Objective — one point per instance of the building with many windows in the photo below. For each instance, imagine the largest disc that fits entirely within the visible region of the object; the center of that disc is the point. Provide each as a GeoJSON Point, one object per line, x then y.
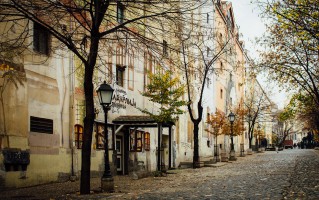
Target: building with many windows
{"type": "Point", "coordinates": [42, 138]}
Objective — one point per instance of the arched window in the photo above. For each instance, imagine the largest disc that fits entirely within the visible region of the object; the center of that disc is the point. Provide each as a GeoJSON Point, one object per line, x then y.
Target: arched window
{"type": "Point", "coordinates": [78, 134]}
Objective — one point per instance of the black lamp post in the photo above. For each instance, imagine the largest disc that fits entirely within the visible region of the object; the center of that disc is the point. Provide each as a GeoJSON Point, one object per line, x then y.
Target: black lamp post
{"type": "Point", "coordinates": [105, 94]}
{"type": "Point", "coordinates": [231, 118]}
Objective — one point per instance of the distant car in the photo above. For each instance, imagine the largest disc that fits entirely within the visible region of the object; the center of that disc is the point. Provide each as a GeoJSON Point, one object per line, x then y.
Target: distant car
{"type": "Point", "coordinates": [288, 144]}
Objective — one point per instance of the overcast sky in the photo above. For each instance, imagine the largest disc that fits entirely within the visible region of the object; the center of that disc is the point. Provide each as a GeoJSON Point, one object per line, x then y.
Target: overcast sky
{"type": "Point", "coordinates": [251, 26]}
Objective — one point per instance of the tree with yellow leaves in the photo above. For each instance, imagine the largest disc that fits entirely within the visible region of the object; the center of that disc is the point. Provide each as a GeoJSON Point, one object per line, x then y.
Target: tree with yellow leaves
{"type": "Point", "coordinates": [238, 124]}
{"type": "Point", "coordinates": [217, 122]}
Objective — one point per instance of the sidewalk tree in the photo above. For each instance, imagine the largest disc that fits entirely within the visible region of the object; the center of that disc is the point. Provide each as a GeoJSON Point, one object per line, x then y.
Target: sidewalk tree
{"type": "Point", "coordinates": [217, 122]}
{"type": "Point", "coordinates": [305, 110]}
{"type": "Point", "coordinates": [285, 120]}
{"type": "Point", "coordinates": [255, 104]}
{"type": "Point", "coordinates": [197, 75]}
{"type": "Point", "coordinates": [86, 27]}
{"type": "Point", "coordinates": [290, 54]}
{"type": "Point", "coordinates": [165, 90]}
{"type": "Point", "coordinates": [238, 124]}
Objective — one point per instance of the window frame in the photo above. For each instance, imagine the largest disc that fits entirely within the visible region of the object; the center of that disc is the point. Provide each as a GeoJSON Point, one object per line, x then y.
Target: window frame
{"type": "Point", "coordinates": [165, 48]}
{"type": "Point", "coordinates": [130, 73]}
{"type": "Point", "coordinates": [99, 135]}
{"type": "Point", "coordinates": [120, 10]}
{"type": "Point", "coordinates": [120, 75]}
{"type": "Point", "coordinates": [149, 67]}
{"type": "Point", "coordinates": [109, 68]}
{"type": "Point", "coordinates": [147, 141]}
{"type": "Point", "coordinates": [78, 136]}
{"type": "Point", "coordinates": [136, 140]}
{"type": "Point", "coordinates": [120, 65]}
{"type": "Point", "coordinates": [41, 39]}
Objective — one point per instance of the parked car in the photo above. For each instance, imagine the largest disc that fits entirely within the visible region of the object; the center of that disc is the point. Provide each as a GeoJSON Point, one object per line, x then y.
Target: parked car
{"type": "Point", "coordinates": [288, 144]}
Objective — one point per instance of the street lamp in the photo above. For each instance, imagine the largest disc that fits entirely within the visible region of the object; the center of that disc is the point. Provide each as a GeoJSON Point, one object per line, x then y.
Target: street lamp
{"type": "Point", "coordinates": [105, 94]}
{"type": "Point", "coordinates": [231, 118]}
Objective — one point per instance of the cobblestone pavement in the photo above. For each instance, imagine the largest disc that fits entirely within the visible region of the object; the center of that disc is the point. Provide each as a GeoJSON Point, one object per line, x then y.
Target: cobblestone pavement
{"type": "Point", "coordinates": [289, 174]}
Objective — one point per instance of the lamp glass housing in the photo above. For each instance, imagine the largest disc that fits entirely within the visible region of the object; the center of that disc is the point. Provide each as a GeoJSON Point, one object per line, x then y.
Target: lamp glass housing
{"type": "Point", "coordinates": [231, 117]}
{"type": "Point", "coordinates": [105, 94]}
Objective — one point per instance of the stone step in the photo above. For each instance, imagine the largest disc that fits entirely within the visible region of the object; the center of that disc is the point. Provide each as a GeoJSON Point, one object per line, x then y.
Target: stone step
{"type": "Point", "coordinates": [184, 165]}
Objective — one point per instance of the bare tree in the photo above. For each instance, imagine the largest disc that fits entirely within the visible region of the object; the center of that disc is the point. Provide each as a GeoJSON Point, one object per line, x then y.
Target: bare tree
{"type": "Point", "coordinates": [200, 55]}
{"type": "Point", "coordinates": [256, 103]}
{"type": "Point", "coordinates": [87, 27]}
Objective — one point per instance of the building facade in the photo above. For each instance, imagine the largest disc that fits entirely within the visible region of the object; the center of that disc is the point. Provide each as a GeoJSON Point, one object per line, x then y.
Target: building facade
{"type": "Point", "coordinates": [50, 105]}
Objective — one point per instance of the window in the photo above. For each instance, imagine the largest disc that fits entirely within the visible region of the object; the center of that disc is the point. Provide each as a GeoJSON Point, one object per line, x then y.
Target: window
{"type": "Point", "coordinates": [41, 39]}
{"type": "Point", "coordinates": [120, 13]}
{"type": "Point", "coordinates": [109, 71]}
{"type": "Point", "coordinates": [145, 70]}
{"type": "Point", "coordinates": [78, 135]}
{"type": "Point", "coordinates": [147, 144]}
{"type": "Point", "coordinates": [120, 56]}
{"type": "Point", "coordinates": [165, 52]}
{"type": "Point", "coordinates": [150, 66]}
{"type": "Point", "coordinates": [131, 71]}
{"type": "Point", "coordinates": [120, 76]}
{"type": "Point", "coordinates": [135, 140]}
{"type": "Point", "coordinates": [41, 125]}
{"type": "Point", "coordinates": [120, 65]}
{"type": "Point", "coordinates": [99, 136]}
{"type": "Point", "coordinates": [221, 93]}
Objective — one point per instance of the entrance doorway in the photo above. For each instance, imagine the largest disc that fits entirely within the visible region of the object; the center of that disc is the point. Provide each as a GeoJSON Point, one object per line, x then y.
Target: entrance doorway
{"type": "Point", "coordinates": [120, 154]}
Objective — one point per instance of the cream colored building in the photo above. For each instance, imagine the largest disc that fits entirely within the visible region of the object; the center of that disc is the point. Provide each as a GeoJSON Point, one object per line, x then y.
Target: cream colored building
{"type": "Point", "coordinates": [45, 116]}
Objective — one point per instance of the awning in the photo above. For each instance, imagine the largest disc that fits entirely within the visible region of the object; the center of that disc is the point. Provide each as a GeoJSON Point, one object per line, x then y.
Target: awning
{"type": "Point", "coordinates": [138, 121]}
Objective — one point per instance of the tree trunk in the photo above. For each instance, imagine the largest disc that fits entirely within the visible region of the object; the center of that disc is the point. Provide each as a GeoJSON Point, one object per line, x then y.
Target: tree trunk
{"type": "Point", "coordinates": [159, 144]}
{"type": "Point", "coordinates": [89, 117]}
{"type": "Point", "coordinates": [87, 140]}
{"type": "Point", "coordinates": [4, 119]}
{"type": "Point", "coordinates": [196, 152]}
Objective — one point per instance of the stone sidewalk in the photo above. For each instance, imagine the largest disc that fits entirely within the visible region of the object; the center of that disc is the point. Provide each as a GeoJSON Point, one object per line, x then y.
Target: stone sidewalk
{"type": "Point", "coordinates": [124, 186]}
{"type": "Point", "coordinates": [268, 175]}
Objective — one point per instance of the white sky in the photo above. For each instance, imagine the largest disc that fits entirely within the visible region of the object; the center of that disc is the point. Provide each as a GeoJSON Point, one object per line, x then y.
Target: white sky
{"type": "Point", "coordinates": [251, 26]}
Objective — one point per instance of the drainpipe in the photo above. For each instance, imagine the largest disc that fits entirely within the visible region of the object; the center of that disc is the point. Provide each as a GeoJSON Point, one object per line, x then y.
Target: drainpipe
{"type": "Point", "coordinates": [63, 101]}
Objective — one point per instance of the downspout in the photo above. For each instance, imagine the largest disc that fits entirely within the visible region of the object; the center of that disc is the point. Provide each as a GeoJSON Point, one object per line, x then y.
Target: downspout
{"type": "Point", "coordinates": [62, 103]}
{"type": "Point", "coordinates": [71, 117]}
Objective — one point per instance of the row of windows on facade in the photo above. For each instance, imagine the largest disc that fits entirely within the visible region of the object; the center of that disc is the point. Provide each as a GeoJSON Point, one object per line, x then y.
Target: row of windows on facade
{"type": "Point", "coordinates": [41, 37]}
{"type": "Point", "coordinates": [138, 139]}
{"type": "Point", "coordinates": [41, 41]}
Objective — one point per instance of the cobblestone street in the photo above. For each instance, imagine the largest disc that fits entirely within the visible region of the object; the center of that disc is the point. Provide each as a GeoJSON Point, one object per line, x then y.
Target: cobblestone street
{"type": "Point", "coordinates": [289, 174]}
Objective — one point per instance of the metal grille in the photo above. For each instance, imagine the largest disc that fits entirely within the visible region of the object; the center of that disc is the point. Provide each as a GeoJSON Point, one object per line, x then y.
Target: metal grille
{"type": "Point", "coordinates": [41, 125]}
